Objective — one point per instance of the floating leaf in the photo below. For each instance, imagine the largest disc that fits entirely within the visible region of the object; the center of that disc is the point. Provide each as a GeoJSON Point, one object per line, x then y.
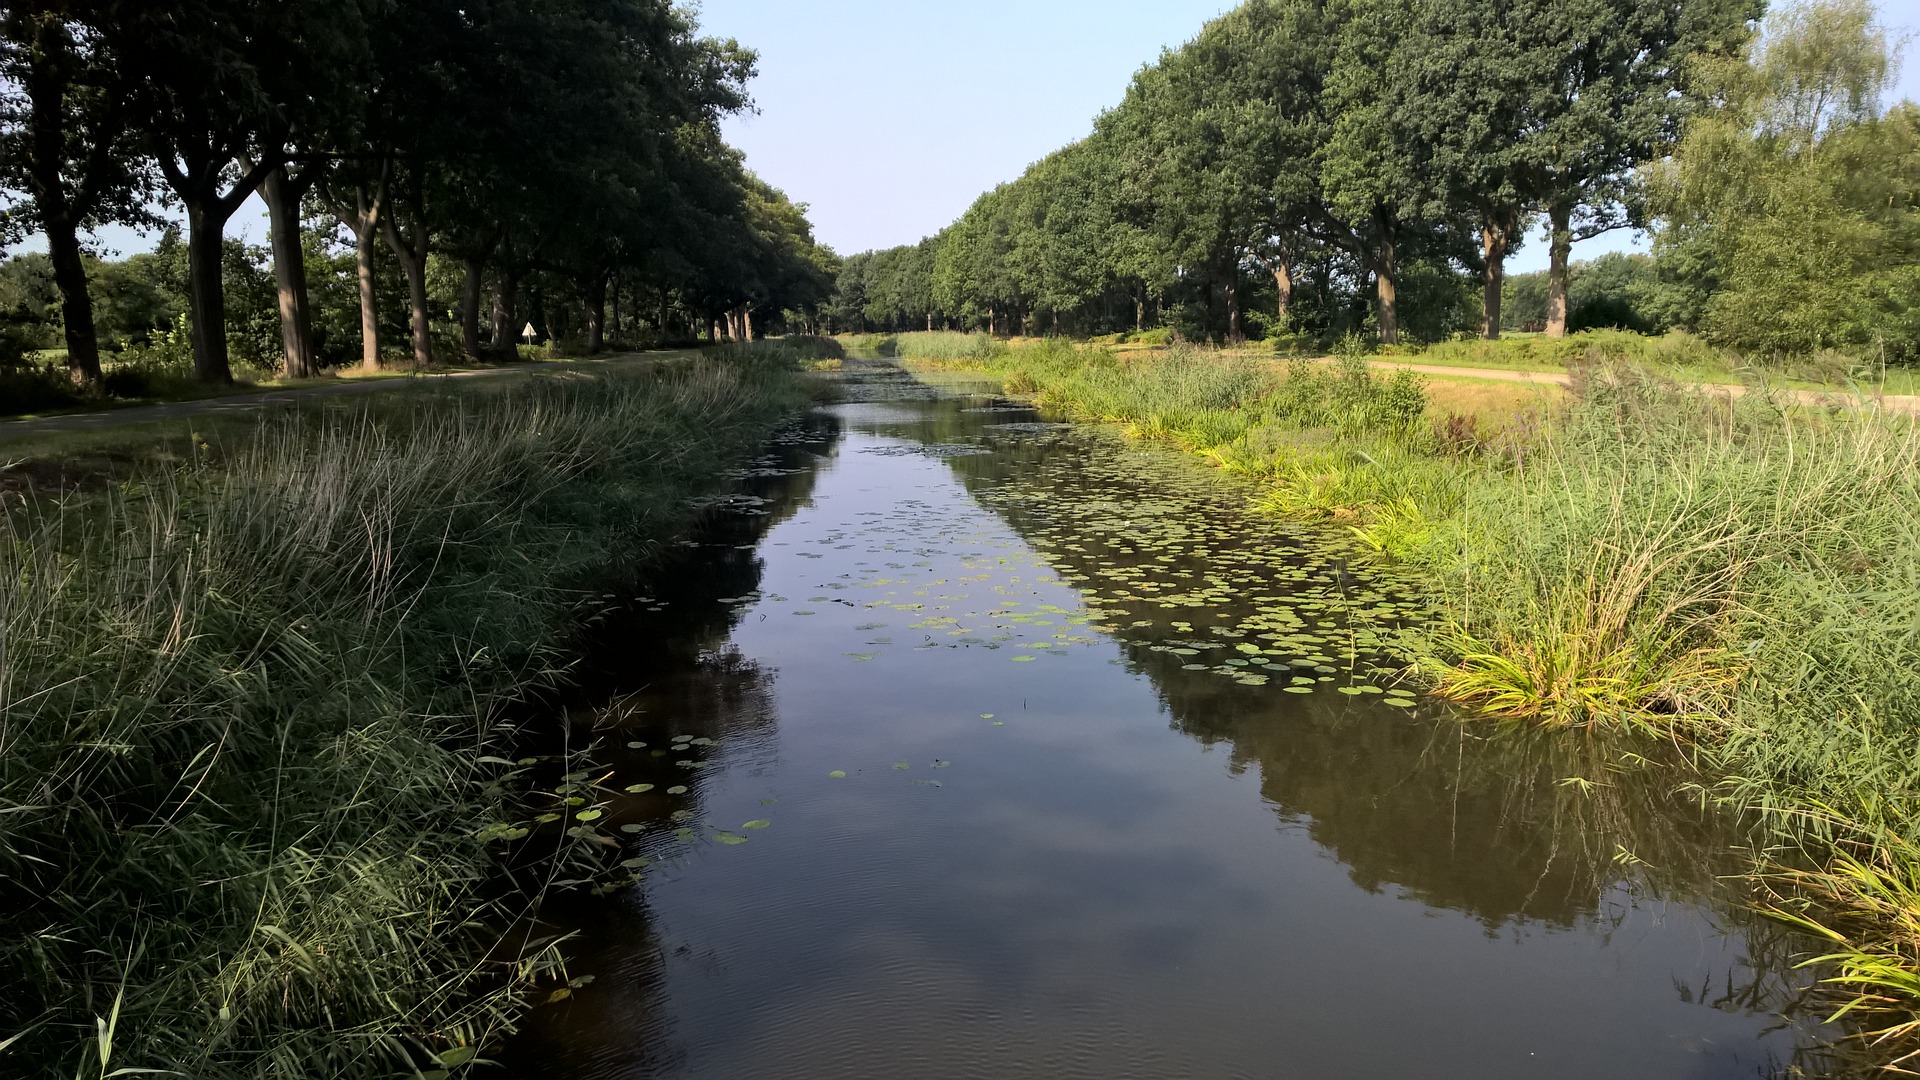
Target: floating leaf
{"type": "Point", "coordinates": [757, 825]}
{"type": "Point", "coordinates": [729, 838]}
{"type": "Point", "coordinates": [589, 815]}
{"type": "Point", "coordinates": [677, 789]}
{"type": "Point", "coordinates": [639, 789]}
{"type": "Point", "coordinates": [837, 774]}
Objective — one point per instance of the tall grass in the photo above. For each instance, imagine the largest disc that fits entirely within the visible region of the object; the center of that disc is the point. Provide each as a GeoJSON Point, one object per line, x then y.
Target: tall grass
{"type": "Point", "coordinates": [941, 346]}
{"type": "Point", "coordinates": [1731, 575]}
{"type": "Point", "coordinates": [251, 727]}
{"type": "Point", "coordinates": [1741, 578]}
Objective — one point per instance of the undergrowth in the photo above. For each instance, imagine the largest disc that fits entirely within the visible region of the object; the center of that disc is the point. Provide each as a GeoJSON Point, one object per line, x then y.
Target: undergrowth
{"type": "Point", "coordinates": [253, 749]}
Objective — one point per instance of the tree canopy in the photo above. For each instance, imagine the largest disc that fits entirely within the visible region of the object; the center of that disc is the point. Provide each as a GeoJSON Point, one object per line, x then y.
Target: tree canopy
{"type": "Point", "coordinates": [559, 157]}
{"type": "Point", "coordinates": [1335, 166]}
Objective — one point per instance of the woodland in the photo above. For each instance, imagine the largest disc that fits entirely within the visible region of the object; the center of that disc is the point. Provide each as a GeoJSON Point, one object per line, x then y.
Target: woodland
{"type": "Point", "coordinates": [1311, 169]}
{"type": "Point", "coordinates": [437, 174]}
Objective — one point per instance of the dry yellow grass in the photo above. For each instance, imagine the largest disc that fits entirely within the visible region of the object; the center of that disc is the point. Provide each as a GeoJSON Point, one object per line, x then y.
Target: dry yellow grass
{"type": "Point", "coordinates": [1490, 403]}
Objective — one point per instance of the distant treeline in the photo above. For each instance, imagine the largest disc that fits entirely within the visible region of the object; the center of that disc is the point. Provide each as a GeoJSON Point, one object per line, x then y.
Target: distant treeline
{"type": "Point", "coordinates": [485, 164]}
{"type": "Point", "coordinates": [1334, 166]}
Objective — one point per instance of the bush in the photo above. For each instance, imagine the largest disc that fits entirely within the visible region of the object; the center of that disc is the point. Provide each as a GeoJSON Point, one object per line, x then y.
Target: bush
{"type": "Point", "coordinates": [29, 388]}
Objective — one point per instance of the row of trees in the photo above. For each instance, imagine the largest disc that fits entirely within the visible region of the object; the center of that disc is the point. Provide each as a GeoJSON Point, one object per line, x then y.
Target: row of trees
{"type": "Point", "coordinates": [1352, 164]}
{"type": "Point", "coordinates": [513, 139]}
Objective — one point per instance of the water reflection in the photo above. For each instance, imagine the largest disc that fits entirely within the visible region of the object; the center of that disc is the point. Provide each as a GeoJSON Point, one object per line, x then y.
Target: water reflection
{"type": "Point", "coordinates": [1059, 775]}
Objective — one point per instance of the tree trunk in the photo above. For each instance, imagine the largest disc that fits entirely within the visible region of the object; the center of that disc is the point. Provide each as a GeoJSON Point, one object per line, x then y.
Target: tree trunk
{"type": "Point", "coordinates": [47, 92]}
{"type": "Point", "coordinates": [76, 300]}
{"type": "Point", "coordinates": [1385, 274]}
{"type": "Point", "coordinates": [1494, 237]}
{"type": "Point", "coordinates": [207, 295]}
{"type": "Point", "coordinates": [282, 196]}
{"type": "Point", "coordinates": [506, 336]}
{"type": "Point", "coordinates": [746, 323]}
{"type": "Point", "coordinates": [1560, 251]}
{"type": "Point", "coordinates": [470, 290]}
{"type": "Point", "coordinates": [363, 219]}
{"type": "Point", "coordinates": [596, 311]}
{"type": "Point", "coordinates": [1283, 281]}
{"type": "Point", "coordinates": [613, 313]}
{"type": "Point", "coordinates": [1139, 313]}
{"type": "Point", "coordinates": [417, 300]}
{"type": "Point", "coordinates": [413, 263]}
{"type": "Point", "coordinates": [1235, 335]}
{"type": "Point", "coordinates": [369, 299]}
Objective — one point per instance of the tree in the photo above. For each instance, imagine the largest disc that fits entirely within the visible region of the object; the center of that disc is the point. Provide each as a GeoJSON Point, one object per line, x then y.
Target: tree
{"type": "Point", "coordinates": [65, 140]}
{"type": "Point", "coordinates": [1614, 100]}
{"type": "Point", "coordinates": [1378, 192]}
{"type": "Point", "coordinates": [219, 86]}
{"type": "Point", "coordinates": [1797, 201]}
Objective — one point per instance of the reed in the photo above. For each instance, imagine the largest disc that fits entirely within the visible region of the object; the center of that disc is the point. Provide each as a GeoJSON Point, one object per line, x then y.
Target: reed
{"type": "Point", "coordinates": [252, 736]}
{"type": "Point", "coordinates": [1733, 576]}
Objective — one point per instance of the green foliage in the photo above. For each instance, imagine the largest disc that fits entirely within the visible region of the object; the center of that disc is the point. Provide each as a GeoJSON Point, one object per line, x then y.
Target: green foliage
{"type": "Point", "coordinates": [1676, 350]}
{"type": "Point", "coordinates": [946, 346]}
{"type": "Point", "coordinates": [1798, 202]}
{"type": "Point", "coordinates": [252, 711]}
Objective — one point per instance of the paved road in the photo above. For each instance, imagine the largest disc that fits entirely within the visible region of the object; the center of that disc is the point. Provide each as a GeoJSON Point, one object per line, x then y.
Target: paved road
{"type": "Point", "coordinates": [239, 403]}
{"type": "Point", "coordinates": [1909, 404]}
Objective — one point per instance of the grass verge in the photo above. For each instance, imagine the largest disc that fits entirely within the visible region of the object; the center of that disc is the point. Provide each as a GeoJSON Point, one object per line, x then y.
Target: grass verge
{"type": "Point", "coordinates": [255, 759]}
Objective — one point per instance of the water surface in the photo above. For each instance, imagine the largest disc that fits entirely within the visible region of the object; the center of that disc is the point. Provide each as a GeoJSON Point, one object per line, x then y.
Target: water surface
{"type": "Point", "coordinates": [982, 746]}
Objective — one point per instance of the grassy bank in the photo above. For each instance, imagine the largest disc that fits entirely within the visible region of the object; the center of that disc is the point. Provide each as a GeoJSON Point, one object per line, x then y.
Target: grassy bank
{"type": "Point", "coordinates": [1734, 576]}
{"type": "Point", "coordinates": [253, 744]}
{"type": "Point", "coordinates": [1677, 356]}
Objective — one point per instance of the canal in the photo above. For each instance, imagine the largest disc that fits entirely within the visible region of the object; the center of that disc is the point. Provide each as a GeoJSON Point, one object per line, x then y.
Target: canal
{"type": "Point", "coordinates": [961, 743]}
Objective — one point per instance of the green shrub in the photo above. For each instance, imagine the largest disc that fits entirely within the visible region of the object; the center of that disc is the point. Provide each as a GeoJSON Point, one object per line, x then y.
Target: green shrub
{"type": "Point", "coordinates": [36, 388]}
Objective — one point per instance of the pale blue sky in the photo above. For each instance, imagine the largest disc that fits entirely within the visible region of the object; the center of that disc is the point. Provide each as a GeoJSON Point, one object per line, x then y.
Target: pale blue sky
{"type": "Point", "coordinates": [889, 117]}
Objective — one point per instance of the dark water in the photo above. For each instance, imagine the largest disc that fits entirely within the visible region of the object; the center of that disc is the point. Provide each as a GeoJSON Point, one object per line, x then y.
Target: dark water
{"type": "Point", "coordinates": [1124, 795]}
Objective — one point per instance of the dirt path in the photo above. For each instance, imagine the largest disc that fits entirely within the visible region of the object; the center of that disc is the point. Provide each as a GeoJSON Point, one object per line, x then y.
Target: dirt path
{"type": "Point", "coordinates": [239, 403]}
{"type": "Point", "coordinates": [1907, 404]}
